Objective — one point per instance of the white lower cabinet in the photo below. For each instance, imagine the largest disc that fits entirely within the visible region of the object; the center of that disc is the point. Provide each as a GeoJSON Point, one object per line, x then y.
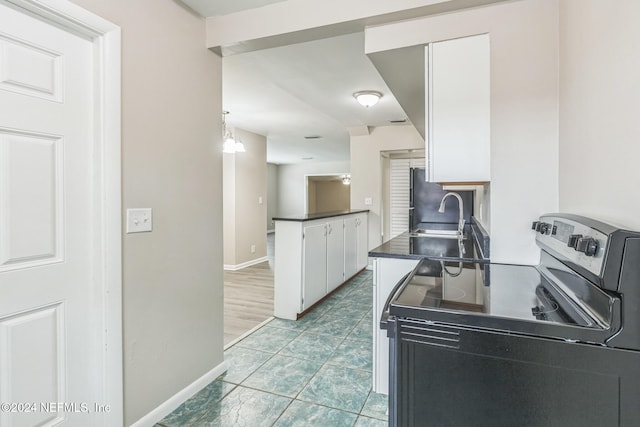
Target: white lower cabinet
{"type": "Point", "coordinates": [356, 243]}
{"type": "Point", "coordinates": [314, 257]}
{"type": "Point", "coordinates": [350, 247]}
{"type": "Point", "coordinates": [362, 241]}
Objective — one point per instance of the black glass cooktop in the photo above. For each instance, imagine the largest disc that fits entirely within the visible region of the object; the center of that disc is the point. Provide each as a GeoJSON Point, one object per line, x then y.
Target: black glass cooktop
{"type": "Point", "coordinates": [495, 296]}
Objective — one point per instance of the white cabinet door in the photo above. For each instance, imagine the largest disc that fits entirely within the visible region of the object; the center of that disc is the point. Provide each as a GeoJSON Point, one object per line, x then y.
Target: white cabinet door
{"type": "Point", "coordinates": [458, 109]}
{"type": "Point", "coordinates": [362, 241]}
{"type": "Point", "coordinates": [335, 254]}
{"type": "Point", "coordinates": [314, 284]}
{"type": "Point", "coordinates": [350, 247]}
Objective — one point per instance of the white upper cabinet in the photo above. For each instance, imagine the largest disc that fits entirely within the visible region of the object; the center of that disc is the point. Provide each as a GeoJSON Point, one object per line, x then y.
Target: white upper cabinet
{"type": "Point", "coordinates": [458, 110]}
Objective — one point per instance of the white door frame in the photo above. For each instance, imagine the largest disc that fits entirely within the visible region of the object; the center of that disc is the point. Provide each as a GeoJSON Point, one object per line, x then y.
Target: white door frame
{"type": "Point", "coordinates": [106, 188]}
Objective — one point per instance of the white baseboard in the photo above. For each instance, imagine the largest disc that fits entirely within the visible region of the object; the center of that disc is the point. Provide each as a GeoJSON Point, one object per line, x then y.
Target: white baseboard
{"type": "Point", "coordinates": [245, 264]}
{"type": "Point", "coordinates": [179, 398]}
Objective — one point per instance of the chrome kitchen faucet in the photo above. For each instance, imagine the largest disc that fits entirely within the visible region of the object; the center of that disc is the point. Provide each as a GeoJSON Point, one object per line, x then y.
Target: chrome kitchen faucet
{"type": "Point", "coordinates": [460, 207]}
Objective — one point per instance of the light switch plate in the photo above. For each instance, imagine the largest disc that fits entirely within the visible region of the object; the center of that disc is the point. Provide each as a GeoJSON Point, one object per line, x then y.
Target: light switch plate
{"type": "Point", "coordinates": [139, 220]}
{"type": "Point", "coordinates": [368, 201]}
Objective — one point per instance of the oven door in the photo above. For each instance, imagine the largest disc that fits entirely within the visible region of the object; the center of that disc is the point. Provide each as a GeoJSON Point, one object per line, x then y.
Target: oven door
{"type": "Point", "coordinates": [456, 376]}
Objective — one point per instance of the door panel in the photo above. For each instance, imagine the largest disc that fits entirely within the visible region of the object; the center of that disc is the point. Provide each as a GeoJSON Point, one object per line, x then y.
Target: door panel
{"type": "Point", "coordinates": [30, 69]}
{"type": "Point", "coordinates": [30, 205]}
{"type": "Point", "coordinates": [39, 334]}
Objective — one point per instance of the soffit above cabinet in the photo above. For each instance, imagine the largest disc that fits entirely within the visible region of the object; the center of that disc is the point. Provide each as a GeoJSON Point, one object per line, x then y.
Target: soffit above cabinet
{"type": "Point", "coordinates": [397, 50]}
{"type": "Point", "coordinates": [403, 71]}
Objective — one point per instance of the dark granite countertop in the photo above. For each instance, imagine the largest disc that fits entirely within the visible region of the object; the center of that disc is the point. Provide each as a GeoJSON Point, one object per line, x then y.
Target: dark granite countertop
{"type": "Point", "coordinates": [408, 246]}
{"type": "Point", "coordinates": [321, 215]}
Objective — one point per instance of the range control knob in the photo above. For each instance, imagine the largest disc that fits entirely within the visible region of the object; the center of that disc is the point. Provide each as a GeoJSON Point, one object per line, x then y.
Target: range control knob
{"type": "Point", "coordinates": [544, 228]}
{"type": "Point", "coordinates": [588, 245]}
{"type": "Point", "coordinates": [573, 240]}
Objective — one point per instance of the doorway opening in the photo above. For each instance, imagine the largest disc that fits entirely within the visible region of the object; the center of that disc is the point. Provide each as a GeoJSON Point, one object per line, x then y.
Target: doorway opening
{"type": "Point", "coordinates": [396, 167]}
{"type": "Point", "coordinates": [327, 193]}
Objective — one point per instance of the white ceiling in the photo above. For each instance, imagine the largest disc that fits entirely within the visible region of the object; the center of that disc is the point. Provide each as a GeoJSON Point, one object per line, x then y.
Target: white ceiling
{"type": "Point", "coordinates": [305, 89]}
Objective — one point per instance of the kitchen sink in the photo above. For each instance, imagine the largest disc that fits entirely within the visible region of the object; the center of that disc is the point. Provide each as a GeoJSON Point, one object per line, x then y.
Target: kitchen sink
{"type": "Point", "coordinates": [441, 234]}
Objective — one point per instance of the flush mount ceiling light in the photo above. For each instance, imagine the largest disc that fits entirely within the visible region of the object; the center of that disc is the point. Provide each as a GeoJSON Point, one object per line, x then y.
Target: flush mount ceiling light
{"type": "Point", "coordinates": [230, 145]}
{"type": "Point", "coordinates": [367, 98]}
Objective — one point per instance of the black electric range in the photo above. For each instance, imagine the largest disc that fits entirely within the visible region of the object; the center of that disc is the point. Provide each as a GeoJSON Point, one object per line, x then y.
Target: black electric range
{"type": "Point", "coordinates": [501, 345]}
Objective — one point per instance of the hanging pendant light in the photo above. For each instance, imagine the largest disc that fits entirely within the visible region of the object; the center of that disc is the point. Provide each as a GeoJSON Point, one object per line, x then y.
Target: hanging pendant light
{"type": "Point", "coordinates": [230, 144]}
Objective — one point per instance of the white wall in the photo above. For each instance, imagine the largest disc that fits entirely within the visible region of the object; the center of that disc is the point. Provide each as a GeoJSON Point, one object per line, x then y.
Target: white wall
{"type": "Point", "coordinates": [245, 184]}
{"type": "Point", "coordinates": [366, 170]}
{"type": "Point", "coordinates": [524, 109]}
{"type": "Point", "coordinates": [273, 171]}
{"type": "Point", "coordinates": [171, 162]}
{"type": "Point", "coordinates": [292, 184]}
{"type": "Point", "coordinates": [600, 110]}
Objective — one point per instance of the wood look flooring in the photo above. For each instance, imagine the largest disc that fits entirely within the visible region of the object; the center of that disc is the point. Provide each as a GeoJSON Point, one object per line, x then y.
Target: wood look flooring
{"type": "Point", "coordinates": [248, 296]}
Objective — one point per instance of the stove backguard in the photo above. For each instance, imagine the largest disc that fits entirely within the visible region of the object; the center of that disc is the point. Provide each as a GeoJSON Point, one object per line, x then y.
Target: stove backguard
{"type": "Point", "coordinates": [606, 256]}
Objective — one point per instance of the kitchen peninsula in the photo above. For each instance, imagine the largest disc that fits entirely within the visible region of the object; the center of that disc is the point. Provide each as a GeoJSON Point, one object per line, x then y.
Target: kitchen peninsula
{"type": "Point", "coordinates": [314, 255]}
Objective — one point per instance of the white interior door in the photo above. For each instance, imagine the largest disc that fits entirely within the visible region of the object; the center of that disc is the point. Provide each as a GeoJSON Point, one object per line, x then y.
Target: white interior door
{"type": "Point", "coordinates": [50, 320]}
{"type": "Point", "coordinates": [399, 193]}
{"type": "Point", "coordinates": [399, 177]}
